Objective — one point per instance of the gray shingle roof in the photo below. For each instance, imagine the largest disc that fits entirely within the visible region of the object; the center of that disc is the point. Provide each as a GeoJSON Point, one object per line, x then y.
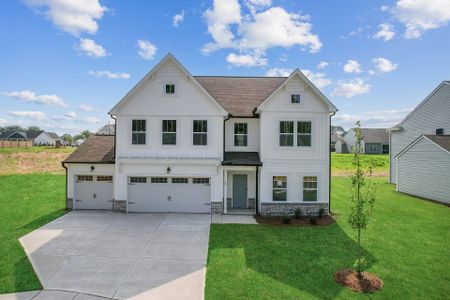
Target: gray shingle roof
{"type": "Point", "coordinates": [53, 135]}
{"type": "Point", "coordinates": [441, 140]}
{"type": "Point", "coordinates": [375, 135]}
{"type": "Point", "coordinates": [240, 95]}
{"type": "Point", "coordinates": [95, 149]}
{"type": "Point", "coordinates": [242, 159]}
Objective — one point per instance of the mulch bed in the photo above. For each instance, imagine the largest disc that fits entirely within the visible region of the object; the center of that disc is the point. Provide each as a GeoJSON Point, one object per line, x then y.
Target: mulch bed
{"type": "Point", "coordinates": [303, 221]}
{"type": "Point", "coordinates": [369, 282]}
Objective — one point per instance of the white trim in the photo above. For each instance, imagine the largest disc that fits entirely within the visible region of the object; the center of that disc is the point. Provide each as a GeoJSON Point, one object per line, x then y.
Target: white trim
{"type": "Point", "coordinates": [149, 76]}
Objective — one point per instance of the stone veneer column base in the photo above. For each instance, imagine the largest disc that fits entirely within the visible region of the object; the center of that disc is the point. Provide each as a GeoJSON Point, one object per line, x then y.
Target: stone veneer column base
{"type": "Point", "coordinates": [216, 207]}
{"type": "Point", "coordinates": [120, 205]}
{"type": "Point", "coordinates": [283, 209]}
{"type": "Point", "coordinates": [69, 204]}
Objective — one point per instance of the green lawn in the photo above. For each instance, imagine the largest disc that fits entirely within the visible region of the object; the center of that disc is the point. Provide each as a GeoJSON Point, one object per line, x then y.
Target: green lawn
{"type": "Point", "coordinates": [406, 245]}
{"type": "Point", "coordinates": [26, 202]}
{"type": "Point", "coordinates": [37, 149]}
{"type": "Point", "coordinates": [342, 163]}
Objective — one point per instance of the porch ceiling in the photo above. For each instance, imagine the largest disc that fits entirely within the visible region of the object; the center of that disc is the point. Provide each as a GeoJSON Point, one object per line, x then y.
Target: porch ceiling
{"type": "Point", "coordinates": [241, 159]}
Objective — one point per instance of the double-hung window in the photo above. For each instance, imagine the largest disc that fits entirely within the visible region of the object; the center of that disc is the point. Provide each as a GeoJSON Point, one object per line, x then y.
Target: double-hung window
{"type": "Point", "coordinates": [279, 188]}
{"type": "Point", "coordinates": [138, 130]}
{"type": "Point", "coordinates": [303, 134]}
{"type": "Point", "coordinates": [286, 133]}
{"type": "Point", "coordinates": [170, 88]}
{"type": "Point", "coordinates": [200, 132]}
{"type": "Point", "coordinates": [169, 132]}
{"type": "Point", "coordinates": [310, 188]}
{"type": "Point", "coordinates": [240, 134]}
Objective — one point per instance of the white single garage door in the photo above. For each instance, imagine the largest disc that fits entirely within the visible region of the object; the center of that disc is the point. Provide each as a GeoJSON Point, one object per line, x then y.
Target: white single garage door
{"type": "Point", "coordinates": [94, 192]}
{"type": "Point", "coordinates": [169, 194]}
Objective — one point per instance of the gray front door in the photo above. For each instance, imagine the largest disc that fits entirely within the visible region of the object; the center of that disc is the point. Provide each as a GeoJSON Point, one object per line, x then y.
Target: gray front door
{"type": "Point", "coordinates": [239, 191]}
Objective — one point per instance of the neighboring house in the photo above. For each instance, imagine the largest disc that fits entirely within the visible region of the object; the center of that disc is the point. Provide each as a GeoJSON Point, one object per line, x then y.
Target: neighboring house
{"type": "Point", "coordinates": [206, 144]}
{"type": "Point", "coordinates": [374, 141]}
{"type": "Point", "coordinates": [38, 137]}
{"type": "Point", "coordinates": [423, 168]}
{"type": "Point", "coordinates": [430, 117]}
{"type": "Point", "coordinates": [334, 139]}
{"type": "Point", "coordinates": [78, 142]}
{"type": "Point", "coordinates": [108, 129]}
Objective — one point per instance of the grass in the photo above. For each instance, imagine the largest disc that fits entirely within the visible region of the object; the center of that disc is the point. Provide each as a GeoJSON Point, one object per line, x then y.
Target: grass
{"type": "Point", "coordinates": [32, 160]}
{"type": "Point", "coordinates": [27, 202]}
{"type": "Point", "coordinates": [341, 164]}
{"type": "Point", "coordinates": [406, 244]}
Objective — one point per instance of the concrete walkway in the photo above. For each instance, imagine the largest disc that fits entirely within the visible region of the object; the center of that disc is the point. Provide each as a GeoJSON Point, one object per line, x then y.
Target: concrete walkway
{"type": "Point", "coordinates": [120, 256]}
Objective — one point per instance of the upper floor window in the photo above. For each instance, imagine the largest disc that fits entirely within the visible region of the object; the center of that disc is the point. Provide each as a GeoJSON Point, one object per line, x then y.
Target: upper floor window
{"type": "Point", "coordinates": [170, 88]}
{"type": "Point", "coordinates": [240, 134]}
{"type": "Point", "coordinates": [286, 133]}
{"type": "Point", "coordinates": [310, 188]}
{"type": "Point", "coordinates": [200, 132]}
{"type": "Point", "coordinates": [138, 129]}
{"type": "Point", "coordinates": [295, 98]}
{"type": "Point", "coordinates": [304, 134]}
{"type": "Point", "coordinates": [169, 132]}
{"type": "Point", "coordinates": [279, 188]}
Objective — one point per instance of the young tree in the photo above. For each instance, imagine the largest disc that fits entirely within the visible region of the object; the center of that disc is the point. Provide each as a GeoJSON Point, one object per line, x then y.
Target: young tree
{"type": "Point", "coordinates": [362, 199]}
{"type": "Point", "coordinates": [68, 138]}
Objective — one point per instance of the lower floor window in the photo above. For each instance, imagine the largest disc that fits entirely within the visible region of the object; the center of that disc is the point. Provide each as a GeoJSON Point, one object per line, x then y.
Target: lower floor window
{"type": "Point", "coordinates": [279, 191]}
{"type": "Point", "coordinates": [85, 178]}
{"type": "Point", "coordinates": [310, 188]}
{"type": "Point", "coordinates": [105, 178]}
{"type": "Point", "coordinates": [138, 179]}
{"type": "Point", "coordinates": [200, 180]}
{"type": "Point", "coordinates": [159, 180]}
{"type": "Point", "coordinates": [179, 180]}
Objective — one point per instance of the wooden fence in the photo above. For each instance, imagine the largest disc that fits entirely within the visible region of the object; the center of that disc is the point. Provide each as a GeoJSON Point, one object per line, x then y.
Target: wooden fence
{"type": "Point", "coordinates": [16, 144]}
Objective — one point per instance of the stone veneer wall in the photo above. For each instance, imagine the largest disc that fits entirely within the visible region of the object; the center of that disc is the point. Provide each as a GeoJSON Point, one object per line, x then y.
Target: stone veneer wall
{"type": "Point", "coordinates": [120, 205]}
{"type": "Point", "coordinates": [282, 209]}
{"type": "Point", "coordinates": [69, 204]}
{"type": "Point", "coordinates": [216, 207]}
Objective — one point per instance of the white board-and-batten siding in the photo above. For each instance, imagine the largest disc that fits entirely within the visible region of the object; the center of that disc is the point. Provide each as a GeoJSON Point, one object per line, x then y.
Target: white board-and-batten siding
{"type": "Point", "coordinates": [432, 114]}
{"type": "Point", "coordinates": [252, 135]}
{"type": "Point", "coordinates": [423, 170]}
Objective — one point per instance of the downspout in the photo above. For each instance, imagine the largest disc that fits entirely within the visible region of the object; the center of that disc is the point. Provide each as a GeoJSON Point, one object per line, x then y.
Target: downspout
{"type": "Point", "coordinates": [257, 193]}
{"type": "Point", "coordinates": [115, 133]}
{"type": "Point", "coordinates": [224, 201]}
{"type": "Point", "coordinates": [64, 166]}
{"type": "Point", "coordinates": [329, 167]}
{"type": "Point", "coordinates": [226, 119]}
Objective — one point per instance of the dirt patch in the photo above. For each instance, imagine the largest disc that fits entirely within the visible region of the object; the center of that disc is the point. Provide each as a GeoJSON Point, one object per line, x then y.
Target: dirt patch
{"type": "Point", "coordinates": [34, 162]}
{"type": "Point", "coordinates": [304, 221]}
{"type": "Point", "coordinates": [368, 283]}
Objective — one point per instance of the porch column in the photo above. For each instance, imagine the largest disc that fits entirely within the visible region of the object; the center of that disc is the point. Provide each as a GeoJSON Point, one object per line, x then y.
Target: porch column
{"type": "Point", "coordinates": [225, 190]}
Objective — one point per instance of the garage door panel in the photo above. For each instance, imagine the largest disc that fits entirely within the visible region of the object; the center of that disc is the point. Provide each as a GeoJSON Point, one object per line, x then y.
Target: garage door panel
{"type": "Point", "coordinates": [93, 194]}
{"type": "Point", "coordinates": [169, 197]}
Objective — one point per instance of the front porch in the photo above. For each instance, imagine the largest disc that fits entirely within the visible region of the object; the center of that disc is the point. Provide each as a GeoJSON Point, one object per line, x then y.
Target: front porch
{"type": "Point", "coordinates": [240, 183]}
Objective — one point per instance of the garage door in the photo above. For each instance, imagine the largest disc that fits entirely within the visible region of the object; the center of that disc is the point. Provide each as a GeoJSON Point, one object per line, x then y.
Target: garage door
{"type": "Point", "coordinates": [169, 194]}
{"type": "Point", "coordinates": [93, 192]}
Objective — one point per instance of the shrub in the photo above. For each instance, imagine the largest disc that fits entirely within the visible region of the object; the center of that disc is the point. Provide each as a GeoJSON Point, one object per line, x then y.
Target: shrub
{"type": "Point", "coordinates": [360, 265]}
{"type": "Point", "coordinates": [313, 220]}
{"type": "Point", "coordinates": [298, 213]}
{"type": "Point", "coordinates": [286, 220]}
{"type": "Point", "coordinates": [321, 212]}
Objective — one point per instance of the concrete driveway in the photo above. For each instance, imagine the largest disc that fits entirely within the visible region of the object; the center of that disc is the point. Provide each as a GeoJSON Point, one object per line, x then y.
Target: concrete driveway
{"type": "Point", "coordinates": [122, 256]}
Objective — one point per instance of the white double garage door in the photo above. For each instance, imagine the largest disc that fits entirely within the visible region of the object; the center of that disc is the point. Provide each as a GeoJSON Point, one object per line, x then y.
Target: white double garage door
{"type": "Point", "coordinates": [146, 194]}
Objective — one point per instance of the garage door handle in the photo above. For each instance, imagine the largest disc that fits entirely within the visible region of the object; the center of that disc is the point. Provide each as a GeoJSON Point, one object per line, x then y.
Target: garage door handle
{"type": "Point", "coordinates": [131, 202]}
{"type": "Point", "coordinates": [77, 200]}
{"type": "Point", "coordinates": [207, 204]}
{"type": "Point", "coordinates": [110, 200]}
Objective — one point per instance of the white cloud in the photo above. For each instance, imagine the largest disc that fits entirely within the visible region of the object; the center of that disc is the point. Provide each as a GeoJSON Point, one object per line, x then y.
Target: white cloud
{"type": "Point", "coordinates": [322, 65]}
{"type": "Point", "coordinates": [279, 72]}
{"type": "Point", "coordinates": [146, 49]}
{"type": "Point", "coordinates": [86, 108]}
{"type": "Point", "coordinates": [109, 75]}
{"type": "Point", "coordinates": [384, 65]}
{"type": "Point", "coordinates": [3, 122]}
{"type": "Point", "coordinates": [31, 97]}
{"type": "Point", "coordinates": [283, 57]}
{"type": "Point", "coordinates": [35, 115]}
{"type": "Point", "coordinates": [352, 66]}
{"type": "Point", "coordinates": [386, 32]}
{"type": "Point", "coordinates": [262, 28]}
{"type": "Point", "coordinates": [91, 120]}
{"type": "Point", "coordinates": [246, 60]}
{"type": "Point", "coordinates": [373, 119]}
{"type": "Point", "coordinates": [419, 16]}
{"type": "Point", "coordinates": [352, 33]}
{"type": "Point", "coordinates": [90, 48]}
{"type": "Point", "coordinates": [74, 17]}
{"type": "Point", "coordinates": [351, 88]}
{"type": "Point", "coordinates": [72, 116]}
{"type": "Point", "coordinates": [319, 79]}
{"type": "Point", "coordinates": [178, 18]}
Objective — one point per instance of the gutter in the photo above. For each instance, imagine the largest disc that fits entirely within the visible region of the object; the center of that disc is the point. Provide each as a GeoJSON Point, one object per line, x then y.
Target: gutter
{"type": "Point", "coordinates": [64, 166]}
{"type": "Point", "coordinates": [226, 119]}
{"type": "Point", "coordinates": [329, 167]}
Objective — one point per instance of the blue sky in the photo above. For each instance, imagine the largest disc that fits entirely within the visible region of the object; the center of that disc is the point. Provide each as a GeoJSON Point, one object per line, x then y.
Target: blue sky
{"type": "Point", "coordinates": [66, 63]}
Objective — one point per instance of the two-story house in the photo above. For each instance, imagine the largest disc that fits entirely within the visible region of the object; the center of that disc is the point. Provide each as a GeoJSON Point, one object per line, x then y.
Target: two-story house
{"type": "Point", "coordinates": [202, 144]}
